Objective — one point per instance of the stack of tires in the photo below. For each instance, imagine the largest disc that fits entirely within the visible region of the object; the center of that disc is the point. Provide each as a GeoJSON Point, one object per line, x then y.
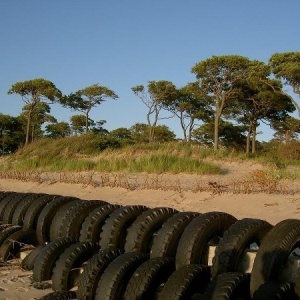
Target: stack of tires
{"type": "Point", "coordinates": [96, 250]}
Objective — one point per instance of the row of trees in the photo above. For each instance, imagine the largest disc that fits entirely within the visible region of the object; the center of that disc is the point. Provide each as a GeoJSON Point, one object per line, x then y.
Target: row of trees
{"type": "Point", "coordinates": [229, 98]}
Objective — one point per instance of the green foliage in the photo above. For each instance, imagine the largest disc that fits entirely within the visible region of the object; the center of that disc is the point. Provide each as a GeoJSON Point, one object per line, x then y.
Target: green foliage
{"type": "Point", "coordinates": [33, 93]}
{"type": "Point", "coordinates": [58, 130]}
{"type": "Point", "coordinates": [85, 99]}
{"type": "Point", "coordinates": [11, 133]}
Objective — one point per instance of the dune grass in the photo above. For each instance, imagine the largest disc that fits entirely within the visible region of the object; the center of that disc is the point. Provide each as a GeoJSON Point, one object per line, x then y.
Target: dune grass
{"type": "Point", "coordinates": [81, 153]}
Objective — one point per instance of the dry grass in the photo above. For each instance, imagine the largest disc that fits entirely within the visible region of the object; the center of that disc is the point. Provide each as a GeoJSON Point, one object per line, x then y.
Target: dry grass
{"type": "Point", "coordinates": [259, 181]}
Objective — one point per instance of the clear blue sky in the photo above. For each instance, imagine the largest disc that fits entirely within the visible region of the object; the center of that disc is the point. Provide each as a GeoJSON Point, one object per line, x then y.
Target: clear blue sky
{"type": "Point", "coordinates": [120, 44]}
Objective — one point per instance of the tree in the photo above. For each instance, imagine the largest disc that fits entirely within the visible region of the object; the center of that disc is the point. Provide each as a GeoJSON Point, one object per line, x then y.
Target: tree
{"type": "Point", "coordinates": [33, 92]}
{"type": "Point", "coordinates": [259, 98]}
{"type": "Point", "coordinates": [97, 127]}
{"type": "Point", "coordinates": [157, 94]}
{"type": "Point", "coordinates": [58, 130]}
{"type": "Point", "coordinates": [230, 135]}
{"type": "Point", "coordinates": [190, 105]}
{"type": "Point", "coordinates": [217, 78]}
{"type": "Point", "coordinates": [85, 99]}
{"type": "Point", "coordinates": [140, 133]}
{"type": "Point", "coordinates": [286, 67]}
{"type": "Point", "coordinates": [40, 114]}
{"type": "Point", "coordinates": [122, 135]}
{"type": "Point", "coordinates": [78, 123]}
{"type": "Point", "coordinates": [11, 133]}
{"type": "Point", "coordinates": [287, 130]}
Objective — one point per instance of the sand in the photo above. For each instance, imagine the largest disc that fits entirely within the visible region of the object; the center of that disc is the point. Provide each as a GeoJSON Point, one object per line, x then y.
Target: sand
{"type": "Point", "coordinates": [226, 193]}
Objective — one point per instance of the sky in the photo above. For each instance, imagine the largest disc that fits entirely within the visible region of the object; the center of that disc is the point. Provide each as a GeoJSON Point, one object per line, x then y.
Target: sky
{"type": "Point", "coordinates": [121, 44]}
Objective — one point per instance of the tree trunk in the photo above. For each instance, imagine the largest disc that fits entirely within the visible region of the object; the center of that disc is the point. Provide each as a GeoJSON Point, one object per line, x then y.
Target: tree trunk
{"type": "Point", "coordinates": [216, 131]}
{"type": "Point", "coordinates": [28, 127]}
{"type": "Point", "coordinates": [248, 142]}
{"type": "Point", "coordinates": [183, 127]}
{"type": "Point", "coordinates": [254, 139]}
{"type": "Point", "coordinates": [86, 122]}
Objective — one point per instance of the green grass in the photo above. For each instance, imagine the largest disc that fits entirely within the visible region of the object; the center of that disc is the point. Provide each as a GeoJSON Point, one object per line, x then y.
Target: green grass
{"type": "Point", "coordinates": [81, 153]}
{"type": "Point", "coordinates": [157, 164]}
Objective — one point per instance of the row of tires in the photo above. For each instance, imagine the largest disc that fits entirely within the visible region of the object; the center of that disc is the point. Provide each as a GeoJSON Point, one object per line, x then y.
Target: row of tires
{"type": "Point", "coordinates": [96, 250]}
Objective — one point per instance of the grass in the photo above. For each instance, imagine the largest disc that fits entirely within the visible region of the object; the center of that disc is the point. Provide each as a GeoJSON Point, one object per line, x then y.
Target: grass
{"type": "Point", "coordinates": [77, 154]}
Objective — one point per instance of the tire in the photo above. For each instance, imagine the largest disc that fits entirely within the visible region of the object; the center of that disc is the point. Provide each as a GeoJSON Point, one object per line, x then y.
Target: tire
{"type": "Point", "coordinates": [72, 222]}
{"type": "Point", "coordinates": [11, 207]}
{"type": "Point", "coordinates": [115, 278]}
{"type": "Point", "coordinates": [5, 202]}
{"type": "Point", "coordinates": [60, 296]}
{"type": "Point", "coordinates": [46, 216]}
{"type": "Point", "coordinates": [235, 241]}
{"type": "Point", "coordinates": [57, 221]}
{"type": "Point", "coordinates": [45, 261]}
{"type": "Point", "coordinates": [6, 232]}
{"type": "Point", "coordinates": [93, 223]}
{"type": "Point", "coordinates": [185, 282]}
{"type": "Point", "coordinates": [166, 241]}
{"type": "Point", "coordinates": [93, 270]}
{"type": "Point", "coordinates": [273, 253]}
{"type": "Point", "coordinates": [33, 212]}
{"type": "Point", "coordinates": [193, 246]}
{"type": "Point", "coordinates": [29, 260]}
{"type": "Point", "coordinates": [140, 234]}
{"type": "Point", "coordinates": [73, 257]}
{"type": "Point", "coordinates": [17, 215]}
{"type": "Point", "coordinates": [11, 246]}
{"type": "Point", "coordinates": [276, 291]}
{"type": "Point", "coordinates": [146, 281]}
{"type": "Point", "coordinates": [229, 286]}
{"type": "Point", "coordinates": [3, 195]}
{"type": "Point", "coordinates": [113, 235]}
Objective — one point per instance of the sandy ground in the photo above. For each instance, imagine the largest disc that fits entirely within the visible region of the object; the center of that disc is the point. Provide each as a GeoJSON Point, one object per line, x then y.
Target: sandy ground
{"type": "Point", "coordinates": [213, 193]}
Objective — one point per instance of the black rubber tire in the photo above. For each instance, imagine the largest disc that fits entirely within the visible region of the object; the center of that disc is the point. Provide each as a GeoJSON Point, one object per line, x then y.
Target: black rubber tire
{"type": "Point", "coordinates": [10, 198]}
{"type": "Point", "coordinates": [276, 291]}
{"type": "Point", "coordinates": [6, 232]}
{"type": "Point", "coordinates": [166, 241]}
{"type": "Point", "coordinates": [34, 210]}
{"type": "Point", "coordinates": [273, 253]}
{"type": "Point", "coordinates": [92, 271]}
{"type": "Point", "coordinates": [140, 234]}
{"type": "Point", "coordinates": [63, 279]}
{"type": "Point", "coordinates": [4, 201]}
{"type": "Point", "coordinates": [235, 241]}
{"type": "Point", "coordinates": [45, 262]}
{"type": "Point", "coordinates": [60, 296]}
{"type": "Point", "coordinates": [72, 221]}
{"type": "Point", "coordinates": [113, 235]}
{"type": "Point", "coordinates": [61, 213]}
{"type": "Point", "coordinates": [93, 223]}
{"type": "Point", "coordinates": [45, 218]}
{"type": "Point", "coordinates": [229, 286]}
{"type": "Point", "coordinates": [193, 246]}
{"type": "Point", "coordinates": [29, 260]}
{"type": "Point", "coordinates": [4, 194]}
{"type": "Point", "coordinates": [185, 282]}
{"type": "Point", "coordinates": [146, 281]}
{"type": "Point", "coordinates": [20, 210]}
{"type": "Point", "coordinates": [10, 208]}
{"type": "Point", "coordinates": [113, 282]}
{"type": "Point", "coordinates": [11, 246]}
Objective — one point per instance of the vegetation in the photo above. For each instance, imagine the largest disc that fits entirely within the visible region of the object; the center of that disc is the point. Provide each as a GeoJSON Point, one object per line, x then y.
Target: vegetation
{"type": "Point", "coordinates": [229, 99]}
